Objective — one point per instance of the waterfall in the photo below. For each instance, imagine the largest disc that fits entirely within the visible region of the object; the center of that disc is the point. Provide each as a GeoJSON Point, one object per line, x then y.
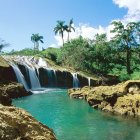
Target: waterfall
{"type": "Point", "coordinates": [32, 69]}
{"type": "Point", "coordinates": [19, 76]}
{"type": "Point", "coordinates": [75, 80]}
{"type": "Point", "coordinates": [33, 78]}
{"type": "Point", "coordinates": [89, 81]}
{"type": "Point", "coordinates": [55, 78]}
{"type": "Point", "coordinates": [52, 82]}
{"type": "Point", "coordinates": [42, 63]}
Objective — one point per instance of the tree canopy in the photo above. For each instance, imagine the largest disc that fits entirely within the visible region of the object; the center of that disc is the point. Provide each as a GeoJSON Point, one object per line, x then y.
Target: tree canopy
{"type": "Point", "coordinates": [127, 37]}
{"type": "Point", "coordinates": [60, 28]}
{"type": "Point", "coordinates": [36, 38]}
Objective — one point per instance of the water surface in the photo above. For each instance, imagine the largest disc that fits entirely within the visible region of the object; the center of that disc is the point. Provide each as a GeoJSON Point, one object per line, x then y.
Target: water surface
{"type": "Point", "coordinates": [75, 120]}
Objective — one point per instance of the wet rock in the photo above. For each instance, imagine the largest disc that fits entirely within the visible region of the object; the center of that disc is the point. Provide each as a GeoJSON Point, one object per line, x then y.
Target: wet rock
{"type": "Point", "coordinates": [5, 99]}
{"type": "Point", "coordinates": [17, 124]}
{"type": "Point", "coordinates": [123, 98]}
{"type": "Point", "coordinates": [10, 91]}
{"type": "Point", "coordinates": [6, 72]}
{"type": "Point", "coordinates": [128, 105]}
{"type": "Point", "coordinates": [79, 92]}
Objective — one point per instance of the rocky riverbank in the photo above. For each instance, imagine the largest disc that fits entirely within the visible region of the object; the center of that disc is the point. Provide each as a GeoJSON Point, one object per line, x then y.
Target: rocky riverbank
{"type": "Point", "coordinates": [123, 98]}
{"type": "Point", "coordinates": [9, 91]}
{"type": "Point", "coordinates": [15, 123]}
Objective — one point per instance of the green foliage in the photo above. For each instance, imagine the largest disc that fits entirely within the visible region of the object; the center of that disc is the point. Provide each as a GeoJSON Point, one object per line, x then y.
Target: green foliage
{"type": "Point", "coordinates": [26, 52]}
{"type": "Point", "coordinates": [124, 77]}
{"type": "Point", "coordinates": [127, 38]}
{"type": "Point", "coordinates": [119, 56]}
{"type": "Point", "coordinates": [51, 53]}
{"type": "Point", "coordinates": [73, 53]}
{"type": "Point", "coordinates": [121, 72]}
{"type": "Point", "coordinates": [135, 75]}
{"type": "Point", "coordinates": [98, 58]}
{"type": "Point", "coordinates": [36, 38]}
{"type": "Point", "coordinates": [60, 28]}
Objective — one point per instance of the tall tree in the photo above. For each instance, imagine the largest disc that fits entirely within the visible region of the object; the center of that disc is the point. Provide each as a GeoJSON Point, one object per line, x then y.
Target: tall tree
{"type": "Point", "coordinates": [99, 54]}
{"type": "Point", "coordinates": [127, 38]}
{"type": "Point", "coordinates": [70, 28]}
{"type": "Point", "coordinates": [36, 38]}
{"type": "Point", "coordinates": [60, 28]}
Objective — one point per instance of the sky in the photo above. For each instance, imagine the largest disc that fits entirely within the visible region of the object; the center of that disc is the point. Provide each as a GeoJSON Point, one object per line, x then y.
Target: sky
{"type": "Point", "coordinates": [19, 19]}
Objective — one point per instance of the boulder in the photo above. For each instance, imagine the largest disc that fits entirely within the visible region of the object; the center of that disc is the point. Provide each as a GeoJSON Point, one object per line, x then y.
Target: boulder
{"type": "Point", "coordinates": [10, 91]}
{"type": "Point", "coordinates": [17, 124]}
{"type": "Point", "coordinates": [79, 92]}
{"type": "Point", "coordinates": [128, 105]}
{"type": "Point", "coordinates": [123, 98]}
{"type": "Point", "coordinates": [15, 90]}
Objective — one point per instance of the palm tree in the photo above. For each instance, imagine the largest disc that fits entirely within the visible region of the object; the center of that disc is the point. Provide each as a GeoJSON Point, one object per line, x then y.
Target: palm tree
{"type": "Point", "coordinates": [60, 28]}
{"type": "Point", "coordinates": [36, 38]}
{"type": "Point", "coordinates": [70, 28]}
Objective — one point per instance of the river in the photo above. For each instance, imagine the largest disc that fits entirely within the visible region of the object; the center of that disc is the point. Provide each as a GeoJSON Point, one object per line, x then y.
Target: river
{"type": "Point", "coordinates": [73, 119]}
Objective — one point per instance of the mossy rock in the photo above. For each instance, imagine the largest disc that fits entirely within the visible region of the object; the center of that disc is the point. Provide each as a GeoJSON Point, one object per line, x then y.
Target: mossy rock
{"type": "Point", "coordinates": [10, 91]}
{"type": "Point", "coordinates": [17, 124]}
{"type": "Point", "coordinates": [3, 63]}
{"type": "Point", "coordinates": [128, 105]}
{"type": "Point", "coordinates": [123, 98]}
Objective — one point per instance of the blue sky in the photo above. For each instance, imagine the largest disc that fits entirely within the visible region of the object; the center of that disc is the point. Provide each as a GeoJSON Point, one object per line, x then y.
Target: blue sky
{"type": "Point", "coordinates": [20, 18]}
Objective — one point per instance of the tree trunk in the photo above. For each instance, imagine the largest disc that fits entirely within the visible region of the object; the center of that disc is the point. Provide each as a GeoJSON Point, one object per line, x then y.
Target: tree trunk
{"type": "Point", "coordinates": [37, 46]}
{"type": "Point", "coordinates": [68, 36]}
{"type": "Point", "coordinates": [62, 40]}
{"type": "Point", "coordinates": [34, 45]}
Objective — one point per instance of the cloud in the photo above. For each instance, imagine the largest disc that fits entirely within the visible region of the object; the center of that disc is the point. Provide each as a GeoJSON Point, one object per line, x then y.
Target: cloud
{"type": "Point", "coordinates": [87, 31]}
{"type": "Point", "coordinates": [83, 30]}
{"type": "Point", "coordinates": [53, 46]}
{"type": "Point", "coordinates": [133, 7]}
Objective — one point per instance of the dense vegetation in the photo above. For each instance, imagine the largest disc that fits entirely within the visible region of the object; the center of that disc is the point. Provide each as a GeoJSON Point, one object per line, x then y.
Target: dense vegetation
{"type": "Point", "coordinates": [119, 56]}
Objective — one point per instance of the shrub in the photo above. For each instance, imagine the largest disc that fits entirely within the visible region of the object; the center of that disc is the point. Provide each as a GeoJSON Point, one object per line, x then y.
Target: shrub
{"type": "Point", "coordinates": [51, 53]}
{"type": "Point", "coordinates": [135, 76]}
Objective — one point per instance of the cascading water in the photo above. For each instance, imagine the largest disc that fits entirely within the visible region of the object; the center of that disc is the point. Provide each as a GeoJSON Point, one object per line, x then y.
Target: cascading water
{"type": "Point", "coordinates": [33, 78]}
{"type": "Point", "coordinates": [89, 81]}
{"type": "Point", "coordinates": [33, 73]}
{"type": "Point", "coordinates": [75, 80]}
{"type": "Point", "coordinates": [30, 64]}
{"type": "Point", "coordinates": [42, 63]}
{"type": "Point", "coordinates": [55, 78]}
{"type": "Point", "coordinates": [19, 75]}
{"type": "Point", "coordinates": [52, 82]}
